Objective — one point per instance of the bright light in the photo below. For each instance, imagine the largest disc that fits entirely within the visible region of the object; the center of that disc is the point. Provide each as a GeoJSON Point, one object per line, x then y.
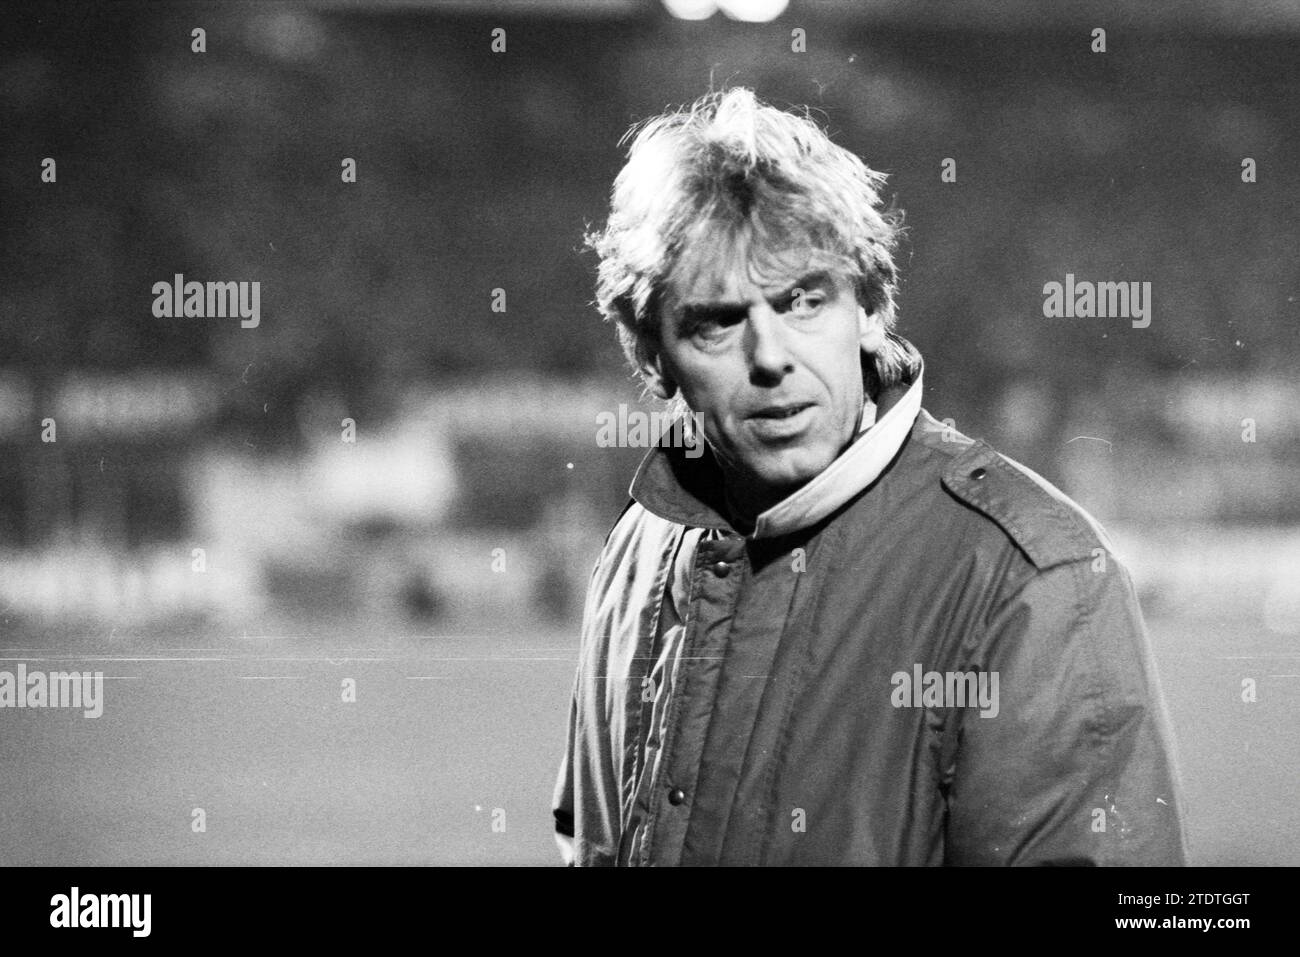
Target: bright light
{"type": "Point", "coordinates": [753, 11]}
{"type": "Point", "coordinates": [692, 9]}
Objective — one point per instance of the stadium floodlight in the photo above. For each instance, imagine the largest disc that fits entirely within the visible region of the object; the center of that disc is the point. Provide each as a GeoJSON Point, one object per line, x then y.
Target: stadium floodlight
{"type": "Point", "coordinates": [692, 9]}
{"type": "Point", "coordinates": [753, 11]}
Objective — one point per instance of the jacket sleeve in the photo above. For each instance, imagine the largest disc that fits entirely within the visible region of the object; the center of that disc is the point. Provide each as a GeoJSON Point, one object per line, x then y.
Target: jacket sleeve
{"type": "Point", "coordinates": [1076, 766]}
{"type": "Point", "coordinates": [562, 799]}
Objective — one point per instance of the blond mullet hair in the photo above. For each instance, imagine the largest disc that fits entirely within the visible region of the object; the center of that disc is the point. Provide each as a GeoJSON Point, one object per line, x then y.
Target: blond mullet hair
{"type": "Point", "coordinates": [729, 176]}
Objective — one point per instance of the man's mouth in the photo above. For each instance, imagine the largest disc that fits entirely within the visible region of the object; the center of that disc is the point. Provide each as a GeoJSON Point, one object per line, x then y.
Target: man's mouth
{"type": "Point", "coordinates": [781, 423]}
{"type": "Point", "coordinates": [778, 412]}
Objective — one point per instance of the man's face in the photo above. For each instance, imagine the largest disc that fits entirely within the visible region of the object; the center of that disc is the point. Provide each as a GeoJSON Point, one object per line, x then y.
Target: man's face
{"type": "Point", "coordinates": [771, 370]}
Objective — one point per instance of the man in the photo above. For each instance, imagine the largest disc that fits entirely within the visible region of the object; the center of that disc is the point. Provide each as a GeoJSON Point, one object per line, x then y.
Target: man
{"type": "Point", "coordinates": [845, 634]}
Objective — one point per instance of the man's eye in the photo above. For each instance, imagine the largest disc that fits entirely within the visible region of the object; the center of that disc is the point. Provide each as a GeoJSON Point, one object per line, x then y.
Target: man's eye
{"type": "Point", "coordinates": [709, 327]}
{"type": "Point", "coordinates": [805, 303]}
{"type": "Point", "coordinates": [708, 330]}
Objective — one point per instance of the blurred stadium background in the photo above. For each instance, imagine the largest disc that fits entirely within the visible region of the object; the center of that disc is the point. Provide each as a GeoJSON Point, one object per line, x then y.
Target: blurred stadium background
{"type": "Point", "coordinates": [476, 430]}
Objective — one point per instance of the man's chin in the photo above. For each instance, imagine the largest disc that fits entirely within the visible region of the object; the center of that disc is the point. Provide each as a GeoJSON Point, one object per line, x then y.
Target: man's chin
{"type": "Point", "coordinates": [779, 479]}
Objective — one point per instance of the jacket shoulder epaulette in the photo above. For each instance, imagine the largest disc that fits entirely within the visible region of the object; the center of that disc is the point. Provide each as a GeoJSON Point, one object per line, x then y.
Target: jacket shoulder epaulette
{"type": "Point", "coordinates": [1048, 526]}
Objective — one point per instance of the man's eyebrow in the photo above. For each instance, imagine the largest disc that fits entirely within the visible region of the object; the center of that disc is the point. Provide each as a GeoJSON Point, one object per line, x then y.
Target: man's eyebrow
{"type": "Point", "coordinates": [698, 310]}
{"type": "Point", "coordinates": [706, 309]}
{"type": "Point", "coordinates": [699, 313]}
{"type": "Point", "coordinates": [695, 313]}
{"type": "Point", "coordinates": [820, 277]}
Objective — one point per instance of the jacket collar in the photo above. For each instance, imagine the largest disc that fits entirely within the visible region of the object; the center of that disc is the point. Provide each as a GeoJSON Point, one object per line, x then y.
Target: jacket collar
{"type": "Point", "coordinates": [690, 491]}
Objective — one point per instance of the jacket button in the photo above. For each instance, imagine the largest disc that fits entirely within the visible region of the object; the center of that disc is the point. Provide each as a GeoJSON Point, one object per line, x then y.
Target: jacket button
{"type": "Point", "coordinates": [721, 569]}
{"type": "Point", "coordinates": [978, 474]}
{"type": "Point", "coordinates": [676, 796]}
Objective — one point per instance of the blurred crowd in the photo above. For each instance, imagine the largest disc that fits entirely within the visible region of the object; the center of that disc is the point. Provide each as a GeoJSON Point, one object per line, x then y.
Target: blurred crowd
{"type": "Point", "coordinates": [164, 472]}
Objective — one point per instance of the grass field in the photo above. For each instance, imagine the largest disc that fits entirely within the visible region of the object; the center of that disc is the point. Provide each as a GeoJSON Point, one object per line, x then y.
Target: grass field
{"type": "Point", "coordinates": [449, 735]}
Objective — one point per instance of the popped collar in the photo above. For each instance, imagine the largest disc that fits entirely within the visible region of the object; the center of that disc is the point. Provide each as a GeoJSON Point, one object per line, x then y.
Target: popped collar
{"type": "Point", "coordinates": [689, 491]}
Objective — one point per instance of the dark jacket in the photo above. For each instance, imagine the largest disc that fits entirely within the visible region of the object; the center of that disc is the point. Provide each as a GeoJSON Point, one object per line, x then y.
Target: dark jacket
{"type": "Point", "coordinates": [781, 730]}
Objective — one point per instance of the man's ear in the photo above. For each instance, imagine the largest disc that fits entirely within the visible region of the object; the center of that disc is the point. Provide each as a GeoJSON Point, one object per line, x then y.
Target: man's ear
{"type": "Point", "coordinates": [653, 374]}
{"type": "Point", "coordinates": [871, 332]}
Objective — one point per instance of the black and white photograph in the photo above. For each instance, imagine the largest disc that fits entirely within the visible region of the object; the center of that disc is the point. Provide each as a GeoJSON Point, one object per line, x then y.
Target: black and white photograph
{"type": "Point", "coordinates": [723, 433]}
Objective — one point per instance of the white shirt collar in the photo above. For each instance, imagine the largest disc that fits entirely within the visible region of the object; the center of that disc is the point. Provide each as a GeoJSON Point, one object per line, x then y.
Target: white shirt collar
{"type": "Point", "coordinates": [857, 467]}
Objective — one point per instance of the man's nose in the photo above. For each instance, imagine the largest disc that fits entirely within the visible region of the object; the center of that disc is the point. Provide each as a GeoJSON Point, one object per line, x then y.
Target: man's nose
{"type": "Point", "coordinates": [769, 352]}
